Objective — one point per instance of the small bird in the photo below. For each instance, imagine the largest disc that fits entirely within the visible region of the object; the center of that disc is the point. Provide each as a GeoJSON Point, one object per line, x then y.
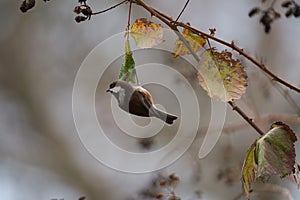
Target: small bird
{"type": "Point", "coordinates": [137, 101]}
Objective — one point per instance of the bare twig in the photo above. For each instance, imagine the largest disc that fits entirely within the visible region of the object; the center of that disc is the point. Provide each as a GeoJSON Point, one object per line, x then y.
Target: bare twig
{"type": "Point", "coordinates": [184, 7]}
{"type": "Point", "coordinates": [239, 196]}
{"type": "Point", "coordinates": [129, 14]}
{"type": "Point", "coordinates": [110, 8]}
{"type": "Point", "coordinates": [127, 35]}
{"type": "Point", "coordinates": [272, 4]}
{"type": "Point", "coordinates": [264, 120]}
{"type": "Point", "coordinates": [233, 127]}
{"type": "Point", "coordinates": [287, 96]}
{"type": "Point", "coordinates": [249, 120]}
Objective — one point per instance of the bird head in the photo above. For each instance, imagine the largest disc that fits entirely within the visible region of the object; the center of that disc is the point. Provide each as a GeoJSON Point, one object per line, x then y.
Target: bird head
{"type": "Point", "coordinates": [120, 89]}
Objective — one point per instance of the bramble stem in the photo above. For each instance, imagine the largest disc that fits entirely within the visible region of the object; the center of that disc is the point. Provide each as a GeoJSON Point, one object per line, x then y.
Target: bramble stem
{"type": "Point", "coordinates": [169, 21]}
{"type": "Point", "coordinates": [249, 120]}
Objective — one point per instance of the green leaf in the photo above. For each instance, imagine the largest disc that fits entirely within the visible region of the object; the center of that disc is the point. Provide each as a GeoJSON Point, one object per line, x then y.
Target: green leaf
{"type": "Point", "coordinates": [249, 169]}
{"type": "Point", "coordinates": [275, 152]}
{"type": "Point", "coordinates": [127, 71]}
{"type": "Point", "coordinates": [271, 154]}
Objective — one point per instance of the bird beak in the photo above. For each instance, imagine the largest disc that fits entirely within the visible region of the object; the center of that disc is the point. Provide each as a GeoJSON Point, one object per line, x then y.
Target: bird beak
{"type": "Point", "coordinates": [108, 90]}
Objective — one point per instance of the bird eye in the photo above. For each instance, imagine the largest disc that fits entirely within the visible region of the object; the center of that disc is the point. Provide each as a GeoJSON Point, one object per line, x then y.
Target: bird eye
{"type": "Point", "coordinates": [112, 85]}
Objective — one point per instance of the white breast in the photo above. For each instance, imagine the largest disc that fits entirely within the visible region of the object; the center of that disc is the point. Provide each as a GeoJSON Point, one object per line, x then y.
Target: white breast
{"type": "Point", "coordinates": [121, 95]}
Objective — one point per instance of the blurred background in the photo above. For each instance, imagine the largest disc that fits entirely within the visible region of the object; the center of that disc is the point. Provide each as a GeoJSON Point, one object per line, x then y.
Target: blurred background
{"type": "Point", "coordinates": [41, 156]}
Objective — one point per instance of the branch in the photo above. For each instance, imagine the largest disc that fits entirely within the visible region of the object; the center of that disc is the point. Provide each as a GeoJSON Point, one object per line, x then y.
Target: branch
{"type": "Point", "coordinates": [249, 120]}
{"type": "Point", "coordinates": [243, 53]}
{"type": "Point", "coordinates": [263, 120]}
{"type": "Point", "coordinates": [169, 21]}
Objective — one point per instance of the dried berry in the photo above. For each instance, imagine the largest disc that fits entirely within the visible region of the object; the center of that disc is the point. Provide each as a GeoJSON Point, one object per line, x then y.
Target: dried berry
{"type": "Point", "coordinates": [289, 12]}
{"type": "Point", "coordinates": [159, 195]}
{"type": "Point", "coordinates": [254, 11]}
{"type": "Point", "coordinates": [276, 15]}
{"type": "Point", "coordinates": [77, 10]}
{"type": "Point", "coordinates": [87, 11]}
{"type": "Point", "coordinates": [79, 19]}
{"type": "Point", "coordinates": [163, 182]}
{"type": "Point", "coordinates": [173, 177]}
{"type": "Point", "coordinates": [266, 19]}
{"type": "Point", "coordinates": [26, 5]}
{"type": "Point", "coordinates": [286, 4]}
{"type": "Point", "coordinates": [297, 11]}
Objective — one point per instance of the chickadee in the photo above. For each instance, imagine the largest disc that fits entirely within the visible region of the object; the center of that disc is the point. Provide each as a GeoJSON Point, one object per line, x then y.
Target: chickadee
{"type": "Point", "coordinates": [137, 101]}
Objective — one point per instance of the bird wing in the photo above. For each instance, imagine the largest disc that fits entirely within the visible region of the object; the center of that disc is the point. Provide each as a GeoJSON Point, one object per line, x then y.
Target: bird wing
{"type": "Point", "coordinates": [147, 102]}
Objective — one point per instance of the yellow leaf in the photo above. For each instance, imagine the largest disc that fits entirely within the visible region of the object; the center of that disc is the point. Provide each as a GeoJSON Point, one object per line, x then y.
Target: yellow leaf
{"type": "Point", "coordinates": [195, 41]}
{"type": "Point", "coordinates": [249, 169]}
{"type": "Point", "coordinates": [221, 76]}
{"type": "Point", "coordinates": [146, 34]}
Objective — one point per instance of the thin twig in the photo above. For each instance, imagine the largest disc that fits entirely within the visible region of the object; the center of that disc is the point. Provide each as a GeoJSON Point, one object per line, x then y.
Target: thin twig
{"type": "Point", "coordinates": [129, 14]}
{"type": "Point", "coordinates": [155, 13]}
{"type": "Point", "coordinates": [249, 120]}
{"type": "Point", "coordinates": [102, 11]}
{"type": "Point", "coordinates": [184, 7]}
{"type": "Point", "coordinates": [287, 96]}
{"type": "Point", "coordinates": [272, 4]}
{"type": "Point", "coordinates": [239, 196]}
{"type": "Point", "coordinates": [170, 22]}
{"type": "Point", "coordinates": [127, 36]}
{"type": "Point", "coordinates": [233, 127]}
{"type": "Point", "coordinates": [264, 120]}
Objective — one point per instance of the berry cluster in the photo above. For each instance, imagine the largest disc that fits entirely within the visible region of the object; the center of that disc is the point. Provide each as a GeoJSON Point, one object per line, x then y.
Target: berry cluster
{"type": "Point", "coordinates": [162, 187]}
{"type": "Point", "coordinates": [269, 15]}
{"type": "Point", "coordinates": [292, 8]}
{"type": "Point", "coordinates": [83, 11]}
{"type": "Point", "coordinates": [28, 4]}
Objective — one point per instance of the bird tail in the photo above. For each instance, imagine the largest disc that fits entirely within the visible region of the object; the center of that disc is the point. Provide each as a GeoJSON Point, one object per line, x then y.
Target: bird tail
{"type": "Point", "coordinates": [166, 117]}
